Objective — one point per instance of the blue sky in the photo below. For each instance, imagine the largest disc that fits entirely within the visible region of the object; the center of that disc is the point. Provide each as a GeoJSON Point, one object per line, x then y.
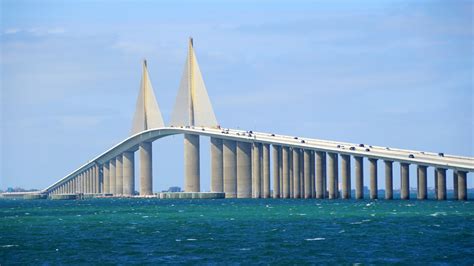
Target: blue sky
{"type": "Point", "coordinates": [389, 73]}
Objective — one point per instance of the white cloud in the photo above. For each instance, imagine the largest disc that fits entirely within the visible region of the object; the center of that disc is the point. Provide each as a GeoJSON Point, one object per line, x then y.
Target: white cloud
{"type": "Point", "coordinates": [12, 31]}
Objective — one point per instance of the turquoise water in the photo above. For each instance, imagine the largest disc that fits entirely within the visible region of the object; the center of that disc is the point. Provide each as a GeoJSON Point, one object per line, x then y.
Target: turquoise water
{"type": "Point", "coordinates": [236, 231]}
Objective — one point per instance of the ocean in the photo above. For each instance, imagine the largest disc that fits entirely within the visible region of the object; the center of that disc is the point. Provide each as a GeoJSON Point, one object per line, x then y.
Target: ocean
{"type": "Point", "coordinates": [236, 231]}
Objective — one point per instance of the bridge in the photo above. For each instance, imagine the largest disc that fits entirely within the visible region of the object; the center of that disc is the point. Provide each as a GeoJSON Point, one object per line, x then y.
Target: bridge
{"type": "Point", "coordinates": [246, 164]}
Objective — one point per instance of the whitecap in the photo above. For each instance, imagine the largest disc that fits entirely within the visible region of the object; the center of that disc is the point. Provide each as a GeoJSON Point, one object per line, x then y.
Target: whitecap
{"type": "Point", "coordinates": [356, 223]}
{"type": "Point", "coordinates": [301, 214]}
{"type": "Point", "coordinates": [145, 216]}
{"type": "Point", "coordinates": [244, 249]}
{"type": "Point", "coordinates": [437, 213]}
{"type": "Point", "coordinates": [178, 240]}
{"type": "Point", "coordinates": [191, 239]}
{"type": "Point", "coordinates": [9, 246]}
{"type": "Point", "coordinates": [315, 239]}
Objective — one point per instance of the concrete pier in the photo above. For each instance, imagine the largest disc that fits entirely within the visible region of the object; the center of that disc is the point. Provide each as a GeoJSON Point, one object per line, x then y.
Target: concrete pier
{"type": "Point", "coordinates": [296, 174]}
{"type": "Point", "coordinates": [217, 165]}
{"type": "Point", "coordinates": [332, 172]}
{"type": "Point", "coordinates": [373, 178]}
{"type": "Point", "coordinates": [388, 179]}
{"type": "Point", "coordinates": [276, 171]}
{"type": "Point", "coordinates": [307, 173]}
{"type": "Point", "coordinates": [462, 185]}
{"type": "Point", "coordinates": [422, 183]}
{"type": "Point", "coordinates": [230, 168]}
{"type": "Point", "coordinates": [146, 169]}
{"type": "Point", "coordinates": [119, 175]}
{"type": "Point", "coordinates": [320, 191]}
{"type": "Point", "coordinates": [128, 173]}
{"type": "Point", "coordinates": [455, 185]}
{"type": "Point", "coordinates": [256, 171]}
{"type": "Point", "coordinates": [266, 170]}
{"type": "Point", "coordinates": [191, 163]}
{"type": "Point", "coordinates": [346, 176]}
{"type": "Point", "coordinates": [312, 171]}
{"type": "Point", "coordinates": [112, 174]}
{"type": "Point", "coordinates": [290, 173]}
{"type": "Point", "coordinates": [435, 176]}
{"type": "Point", "coordinates": [405, 181]}
{"type": "Point", "coordinates": [441, 183]}
{"type": "Point", "coordinates": [359, 177]}
{"type": "Point", "coordinates": [244, 172]}
{"type": "Point", "coordinates": [106, 177]}
{"type": "Point", "coordinates": [285, 171]}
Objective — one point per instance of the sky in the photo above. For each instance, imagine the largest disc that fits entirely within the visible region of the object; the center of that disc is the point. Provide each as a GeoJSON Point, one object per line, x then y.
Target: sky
{"type": "Point", "coordinates": [388, 73]}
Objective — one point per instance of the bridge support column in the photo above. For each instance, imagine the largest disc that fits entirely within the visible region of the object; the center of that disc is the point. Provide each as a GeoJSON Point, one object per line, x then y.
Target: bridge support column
{"type": "Point", "coordinates": [128, 173]}
{"type": "Point", "coordinates": [455, 185]}
{"type": "Point", "coordinates": [191, 163]}
{"type": "Point", "coordinates": [312, 173]}
{"type": "Point", "coordinates": [332, 172]}
{"type": "Point", "coordinates": [266, 170]}
{"type": "Point", "coordinates": [244, 171]}
{"type": "Point", "coordinates": [217, 164]}
{"type": "Point", "coordinates": [112, 175]}
{"type": "Point", "coordinates": [307, 173]}
{"type": "Point", "coordinates": [373, 178]}
{"type": "Point", "coordinates": [296, 173]}
{"type": "Point", "coordinates": [276, 170]}
{"type": "Point", "coordinates": [106, 179]}
{"type": "Point", "coordinates": [119, 175]}
{"type": "Point", "coordinates": [405, 181]}
{"type": "Point", "coordinates": [290, 171]}
{"type": "Point", "coordinates": [146, 169]}
{"type": "Point", "coordinates": [359, 177]}
{"type": "Point", "coordinates": [285, 171]}
{"type": "Point", "coordinates": [256, 171]}
{"type": "Point", "coordinates": [320, 190]}
{"type": "Point", "coordinates": [93, 179]}
{"type": "Point", "coordinates": [88, 181]}
{"type": "Point", "coordinates": [346, 176]}
{"type": "Point", "coordinates": [230, 168]}
{"type": "Point", "coordinates": [441, 184]}
{"type": "Point", "coordinates": [388, 180]}
{"type": "Point", "coordinates": [435, 176]}
{"type": "Point", "coordinates": [462, 185]}
{"type": "Point", "coordinates": [422, 185]}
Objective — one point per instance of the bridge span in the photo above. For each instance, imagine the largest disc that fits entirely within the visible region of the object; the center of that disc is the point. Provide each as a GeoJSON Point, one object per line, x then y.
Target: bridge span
{"type": "Point", "coordinates": [246, 164]}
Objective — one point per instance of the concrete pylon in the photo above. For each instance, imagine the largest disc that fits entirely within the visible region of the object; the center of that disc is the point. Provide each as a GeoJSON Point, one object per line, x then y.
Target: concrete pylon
{"type": "Point", "coordinates": [462, 185]}
{"type": "Point", "coordinates": [359, 177]}
{"type": "Point", "coordinates": [373, 178]}
{"type": "Point", "coordinates": [217, 170]}
{"type": "Point", "coordinates": [435, 176]}
{"type": "Point", "coordinates": [119, 175]}
{"type": "Point", "coordinates": [405, 181]}
{"type": "Point", "coordinates": [112, 175]}
{"type": "Point", "coordinates": [147, 113]}
{"type": "Point", "coordinates": [332, 173]}
{"type": "Point", "coordinates": [106, 177]}
{"type": "Point", "coordinates": [244, 172]}
{"type": "Point", "coordinates": [128, 173]}
{"type": "Point", "coordinates": [230, 168]}
{"type": "Point", "coordinates": [441, 183]}
{"type": "Point", "coordinates": [346, 176]}
{"type": "Point", "coordinates": [191, 163]}
{"type": "Point", "coordinates": [285, 172]}
{"type": "Point", "coordinates": [455, 185]}
{"type": "Point", "coordinates": [296, 174]}
{"type": "Point", "coordinates": [266, 170]}
{"type": "Point", "coordinates": [307, 173]}
{"type": "Point", "coordinates": [256, 170]}
{"type": "Point", "coordinates": [422, 183]}
{"type": "Point", "coordinates": [146, 169]}
{"type": "Point", "coordinates": [290, 171]}
{"type": "Point", "coordinates": [320, 190]}
{"type": "Point", "coordinates": [276, 171]}
{"type": "Point", "coordinates": [388, 180]}
{"type": "Point", "coordinates": [312, 170]}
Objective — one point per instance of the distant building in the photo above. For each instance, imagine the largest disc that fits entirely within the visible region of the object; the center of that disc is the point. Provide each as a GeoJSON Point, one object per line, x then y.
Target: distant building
{"type": "Point", "coordinates": [173, 189]}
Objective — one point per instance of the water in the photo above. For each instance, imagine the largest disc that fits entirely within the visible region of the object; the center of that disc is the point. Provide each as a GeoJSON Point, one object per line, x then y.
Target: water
{"type": "Point", "coordinates": [236, 231]}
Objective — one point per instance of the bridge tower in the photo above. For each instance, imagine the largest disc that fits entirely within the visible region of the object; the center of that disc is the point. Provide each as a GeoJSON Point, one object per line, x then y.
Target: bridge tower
{"type": "Point", "coordinates": [192, 108]}
{"type": "Point", "coordinates": [147, 116]}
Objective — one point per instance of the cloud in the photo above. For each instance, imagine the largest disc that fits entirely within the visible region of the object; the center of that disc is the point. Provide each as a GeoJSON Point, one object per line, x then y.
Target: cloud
{"type": "Point", "coordinates": [36, 31]}
{"type": "Point", "coordinates": [11, 31]}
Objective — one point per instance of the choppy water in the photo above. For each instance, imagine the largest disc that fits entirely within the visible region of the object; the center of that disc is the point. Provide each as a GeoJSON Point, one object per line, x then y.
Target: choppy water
{"type": "Point", "coordinates": [237, 231]}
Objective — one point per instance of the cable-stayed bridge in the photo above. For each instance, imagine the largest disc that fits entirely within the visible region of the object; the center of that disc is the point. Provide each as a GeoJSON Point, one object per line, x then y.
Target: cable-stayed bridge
{"type": "Point", "coordinates": [246, 164]}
